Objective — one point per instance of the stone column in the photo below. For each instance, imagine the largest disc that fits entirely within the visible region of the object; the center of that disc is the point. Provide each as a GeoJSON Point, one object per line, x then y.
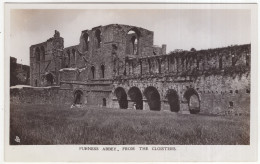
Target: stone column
{"type": "Point", "coordinates": [165, 106]}
{"type": "Point", "coordinates": [184, 107]}
{"type": "Point", "coordinates": [145, 105]}
{"type": "Point", "coordinates": [130, 104]}
{"type": "Point", "coordinates": [115, 103]}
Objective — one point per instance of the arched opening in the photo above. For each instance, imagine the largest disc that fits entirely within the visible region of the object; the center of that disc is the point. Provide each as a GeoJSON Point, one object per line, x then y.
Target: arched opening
{"type": "Point", "coordinates": [42, 53]}
{"type": "Point", "coordinates": [78, 94]}
{"type": "Point", "coordinates": [93, 72]}
{"type": "Point", "coordinates": [134, 45]}
{"type": "Point", "coordinates": [49, 79]}
{"type": "Point", "coordinates": [104, 102]}
{"type": "Point", "coordinates": [68, 59]}
{"type": "Point", "coordinates": [153, 98]}
{"type": "Point", "coordinates": [136, 96]}
{"type": "Point", "coordinates": [37, 54]}
{"type": "Point", "coordinates": [121, 97]}
{"type": "Point", "coordinates": [133, 36]}
{"type": "Point", "coordinates": [193, 100]}
{"type": "Point", "coordinates": [86, 40]}
{"type": "Point", "coordinates": [102, 71]}
{"type": "Point", "coordinates": [98, 38]}
{"type": "Point", "coordinates": [74, 55]}
{"type": "Point", "coordinates": [173, 100]}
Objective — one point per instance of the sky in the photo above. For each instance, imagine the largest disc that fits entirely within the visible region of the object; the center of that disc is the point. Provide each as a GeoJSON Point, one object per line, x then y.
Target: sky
{"type": "Point", "coordinates": [178, 29]}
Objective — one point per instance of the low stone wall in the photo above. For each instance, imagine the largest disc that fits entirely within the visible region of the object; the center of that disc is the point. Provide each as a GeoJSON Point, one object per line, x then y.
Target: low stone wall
{"type": "Point", "coordinates": [36, 95]}
{"type": "Point", "coordinates": [57, 95]}
{"type": "Point", "coordinates": [221, 103]}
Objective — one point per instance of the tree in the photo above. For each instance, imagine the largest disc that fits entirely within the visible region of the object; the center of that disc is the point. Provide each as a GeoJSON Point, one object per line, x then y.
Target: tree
{"type": "Point", "coordinates": [13, 73]}
{"type": "Point", "coordinates": [193, 49]}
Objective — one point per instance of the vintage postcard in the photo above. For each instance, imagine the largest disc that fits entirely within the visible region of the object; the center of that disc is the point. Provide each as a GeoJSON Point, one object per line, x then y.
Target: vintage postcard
{"type": "Point", "coordinates": [131, 82]}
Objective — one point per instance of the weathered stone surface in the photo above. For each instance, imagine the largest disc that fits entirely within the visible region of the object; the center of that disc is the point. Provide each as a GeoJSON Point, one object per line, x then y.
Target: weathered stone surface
{"type": "Point", "coordinates": [121, 56]}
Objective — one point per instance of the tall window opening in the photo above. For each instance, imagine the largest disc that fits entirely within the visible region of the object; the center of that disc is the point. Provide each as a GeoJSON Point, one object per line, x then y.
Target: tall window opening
{"type": "Point", "coordinates": [133, 41]}
{"type": "Point", "coordinates": [68, 59]}
{"type": "Point", "coordinates": [159, 65]}
{"type": "Point", "coordinates": [42, 53]}
{"type": "Point", "coordinates": [37, 54]}
{"type": "Point", "coordinates": [93, 72]}
{"type": "Point", "coordinates": [74, 55]}
{"type": "Point", "coordinates": [102, 71]}
{"type": "Point", "coordinates": [86, 40]}
{"type": "Point", "coordinates": [98, 38]}
{"type": "Point", "coordinates": [104, 102]}
{"type": "Point", "coordinates": [134, 45]}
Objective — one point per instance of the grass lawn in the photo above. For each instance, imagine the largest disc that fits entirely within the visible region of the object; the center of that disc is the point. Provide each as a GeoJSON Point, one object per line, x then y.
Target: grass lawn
{"type": "Point", "coordinates": [52, 124]}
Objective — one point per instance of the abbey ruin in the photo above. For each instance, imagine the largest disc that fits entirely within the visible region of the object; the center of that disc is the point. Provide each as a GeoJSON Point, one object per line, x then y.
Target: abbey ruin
{"type": "Point", "coordinates": [118, 66]}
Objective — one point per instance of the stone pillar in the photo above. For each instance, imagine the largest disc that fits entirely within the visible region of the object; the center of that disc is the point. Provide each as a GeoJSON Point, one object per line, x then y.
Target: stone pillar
{"type": "Point", "coordinates": [145, 105]}
{"type": "Point", "coordinates": [184, 108]}
{"type": "Point", "coordinates": [165, 106]}
{"type": "Point", "coordinates": [130, 104]}
{"type": "Point", "coordinates": [115, 104]}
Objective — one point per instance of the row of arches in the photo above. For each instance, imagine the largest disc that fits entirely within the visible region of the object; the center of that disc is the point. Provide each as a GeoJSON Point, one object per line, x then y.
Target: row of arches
{"type": "Point", "coordinates": [177, 64]}
{"type": "Point", "coordinates": [153, 99]}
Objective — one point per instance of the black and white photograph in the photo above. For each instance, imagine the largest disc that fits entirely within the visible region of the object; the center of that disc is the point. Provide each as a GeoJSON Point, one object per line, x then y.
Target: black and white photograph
{"type": "Point", "coordinates": [130, 79]}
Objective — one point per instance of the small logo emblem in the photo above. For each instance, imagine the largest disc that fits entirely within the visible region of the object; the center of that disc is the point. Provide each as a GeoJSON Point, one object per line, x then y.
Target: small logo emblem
{"type": "Point", "coordinates": [17, 139]}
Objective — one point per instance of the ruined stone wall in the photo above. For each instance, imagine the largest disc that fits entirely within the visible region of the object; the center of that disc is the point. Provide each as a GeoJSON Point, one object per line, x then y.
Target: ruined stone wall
{"type": "Point", "coordinates": [220, 85]}
{"type": "Point", "coordinates": [234, 59]}
{"type": "Point", "coordinates": [46, 58]}
{"type": "Point", "coordinates": [216, 92]}
{"type": "Point", "coordinates": [121, 56]}
{"type": "Point", "coordinates": [48, 95]}
{"type": "Point", "coordinates": [108, 46]}
{"type": "Point", "coordinates": [70, 57]}
{"type": "Point", "coordinates": [61, 95]}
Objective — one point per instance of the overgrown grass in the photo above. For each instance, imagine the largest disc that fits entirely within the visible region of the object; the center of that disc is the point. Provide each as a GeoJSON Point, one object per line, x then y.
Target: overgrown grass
{"type": "Point", "coordinates": [45, 124]}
